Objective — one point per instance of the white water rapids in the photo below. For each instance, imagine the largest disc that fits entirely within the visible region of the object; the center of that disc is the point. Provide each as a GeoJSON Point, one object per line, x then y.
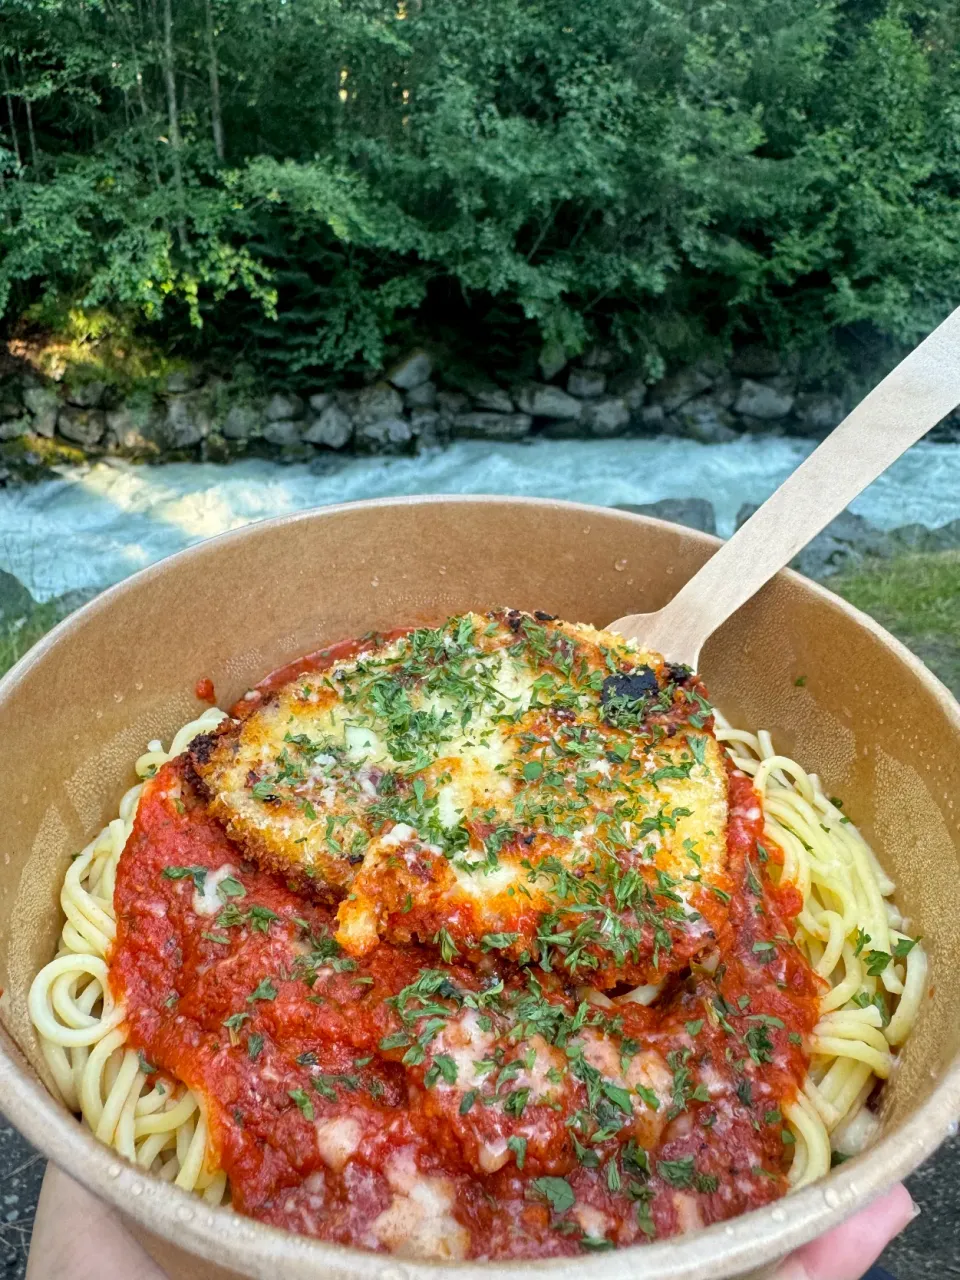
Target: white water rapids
{"type": "Point", "coordinates": [93, 525]}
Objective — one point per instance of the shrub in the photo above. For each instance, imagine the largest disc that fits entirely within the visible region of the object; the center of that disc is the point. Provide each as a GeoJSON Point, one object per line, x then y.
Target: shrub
{"type": "Point", "coordinates": [303, 183]}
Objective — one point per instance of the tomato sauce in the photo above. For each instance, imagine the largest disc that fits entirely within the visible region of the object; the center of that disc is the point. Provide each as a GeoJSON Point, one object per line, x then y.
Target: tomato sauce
{"type": "Point", "coordinates": [324, 1112]}
{"type": "Point", "coordinates": [318, 660]}
{"type": "Point", "coordinates": [205, 691]}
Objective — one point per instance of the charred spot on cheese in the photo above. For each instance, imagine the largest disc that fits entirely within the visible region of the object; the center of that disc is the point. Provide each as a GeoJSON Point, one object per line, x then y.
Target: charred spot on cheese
{"type": "Point", "coordinates": [201, 747]}
{"type": "Point", "coordinates": [628, 693]}
{"type": "Point", "coordinates": [538, 791]}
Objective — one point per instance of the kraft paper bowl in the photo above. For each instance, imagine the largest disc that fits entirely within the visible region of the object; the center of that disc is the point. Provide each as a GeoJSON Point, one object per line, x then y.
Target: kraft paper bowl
{"type": "Point", "coordinates": [76, 712]}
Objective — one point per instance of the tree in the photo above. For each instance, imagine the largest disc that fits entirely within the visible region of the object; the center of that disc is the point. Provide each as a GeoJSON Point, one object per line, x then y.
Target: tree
{"type": "Point", "coordinates": [305, 182]}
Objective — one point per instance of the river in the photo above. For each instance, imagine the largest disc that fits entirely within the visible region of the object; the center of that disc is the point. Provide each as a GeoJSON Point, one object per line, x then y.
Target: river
{"type": "Point", "coordinates": [92, 526]}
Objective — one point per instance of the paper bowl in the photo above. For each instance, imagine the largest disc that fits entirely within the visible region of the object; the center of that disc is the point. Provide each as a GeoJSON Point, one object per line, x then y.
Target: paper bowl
{"type": "Point", "coordinates": [75, 713]}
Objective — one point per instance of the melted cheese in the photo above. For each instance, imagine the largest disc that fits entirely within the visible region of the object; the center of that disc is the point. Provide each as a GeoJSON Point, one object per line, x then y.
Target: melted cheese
{"type": "Point", "coordinates": [500, 784]}
{"type": "Point", "coordinates": [207, 902]}
{"type": "Point", "coordinates": [338, 1139]}
{"type": "Point", "coordinates": [419, 1222]}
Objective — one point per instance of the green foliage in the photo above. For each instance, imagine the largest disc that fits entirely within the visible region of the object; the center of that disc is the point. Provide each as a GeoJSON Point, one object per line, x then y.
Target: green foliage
{"type": "Point", "coordinates": [17, 639]}
{"type": "Point", "coordinates": [514, 173]}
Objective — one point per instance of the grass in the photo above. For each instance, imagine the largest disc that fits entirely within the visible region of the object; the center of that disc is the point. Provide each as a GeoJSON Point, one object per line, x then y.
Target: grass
{"type": "Point", "coordinates": [917, 597]}
{"type": "Point", "coordinates": [15, 640]}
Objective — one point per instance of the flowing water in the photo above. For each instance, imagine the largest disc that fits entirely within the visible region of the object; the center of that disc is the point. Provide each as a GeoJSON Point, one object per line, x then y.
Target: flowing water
{"type": "Point", "coordinates": [94, 525]}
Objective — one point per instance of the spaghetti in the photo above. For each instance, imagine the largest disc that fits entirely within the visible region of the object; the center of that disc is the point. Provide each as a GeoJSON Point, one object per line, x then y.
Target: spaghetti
{"type": "Point", "coordinates": [847, 908]}
{"type": "Point", "coordinates": [872, 978]}
{"type": "Point", "coordinates": [156, 1124]}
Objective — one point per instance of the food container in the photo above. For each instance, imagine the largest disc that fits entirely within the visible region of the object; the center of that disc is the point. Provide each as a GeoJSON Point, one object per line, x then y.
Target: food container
{"type": "Point", "coordinates": [76, 712]}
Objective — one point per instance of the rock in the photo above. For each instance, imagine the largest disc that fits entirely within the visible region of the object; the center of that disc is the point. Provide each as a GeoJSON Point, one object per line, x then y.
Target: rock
{"type": "Point", "coordinates": [184, 379]}
{"type": "Point", "coordinates": [332, 429]}
{"type": "Point", "coordinates": [282, 432]}
{"type": "Point", "coordinates": [704, 421]}
{"type": "Point", "coordinates": [496, 399]}
{"type": "Point", "coordinates": [487, 395]}
{"type": "Point", "coordinates": [586, 384]}
{"type": "Point", "coordinates": [280, 407]}
{"type": "Point", "coordinates": [185, 423]}
{"type": "Point", "coordinates": [243, 422]}
{"type": "Point", "coordinates": [216, 449]}
{"type": "Point", "coordinates": [944, 538]}
{"type": "Point", "coordinates": [632, 388]}
{"type": "Point", "coordinates": [422, 397]}
{"type": "Point", "coordinates": [695, 513]}
{"type": "Point", "coordinates": [450, 403]}
{"type": "Point", "coordinates": [132, 429]}
{"type": "Point", "coordinates": [759, 400]}
{"type": "Point", "coordinates": [13, 428]}
{"type": "Point", "coordinates": [11, 401]}
{"type": "Point", "coordinates": [911, 537]}
{"type": "Point", "coordinates": [947, 431]}
{"type": "Point", "coordinates": [682, 386]}
{"type": "Point", "coordinates": [411, 371]}
{"type": "Point", "coordinates": [560, 429]}
{"type": "Point", "coordinates": [44, 404]}
{"type": "Point", "coordinates": [548, 402]}
{"type": "Point", "coordinates": [844, 543]}
{"type": "Point", "coordinates": [819, 412]}
{"type": "Point", "coordinates": [385, 433]}
{"type": "Point", "coordinates": [755, 361]}
{"type": "Point", "coordinates": [86, 395]}
{"type": "Point", "coordinates": [652, 417]}
{"type": "Point", "coordinates": [320, 400]}
{"type": "Point", "coordinates": [552, 360]}
{"type": "Point", "coordinates": [16, 602]}
{"type": "Point", "coordinates": [599, 357]}
{"type": "Point", "coordinates": [761, 426]}
{"type": "Point", "coordinates": [480, 425]}
{"type": "Point", "coordinates": [428, 427]}
{"type": "Point", "coordinates": [609, 417]}
{"type": "Point", "coordinates": [82, 426]}
{"type": "Point", "coordinates": [377, 403]}
{"type": "Point", "coordinates": [724, 391]}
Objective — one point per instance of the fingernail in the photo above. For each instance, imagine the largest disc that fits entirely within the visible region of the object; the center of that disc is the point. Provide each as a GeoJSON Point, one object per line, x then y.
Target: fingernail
{"type": "Point", "coordinates": [916, 1210]}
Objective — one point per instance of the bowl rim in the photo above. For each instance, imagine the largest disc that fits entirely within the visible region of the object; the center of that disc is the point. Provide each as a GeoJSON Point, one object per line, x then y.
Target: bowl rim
{"type": "Point", "coordinates": [725, 1249]}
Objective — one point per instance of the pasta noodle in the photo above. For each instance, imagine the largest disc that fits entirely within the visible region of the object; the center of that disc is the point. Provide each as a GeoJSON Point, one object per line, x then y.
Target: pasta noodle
{"type": "Point", "coordinates": [160, 1128]}
{"type": "Point", "coordinates": [865, 1016]}
{"type": "Point", "coordinates": [846, 904]}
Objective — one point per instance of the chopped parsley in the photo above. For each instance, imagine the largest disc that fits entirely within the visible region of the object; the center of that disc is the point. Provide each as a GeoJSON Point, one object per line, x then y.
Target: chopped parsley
{"type": "Point", "coordinates": [557, 1191]}
{"type": "Point", "coordinates": [197, 874]}
{"type": "Point", "coordinates": [302, 1099]}
{"type": "Point", "coordinates": [678, 1173]}
{"type": "Point", "coordinates": [518, 1146]}
{"type": "Point", "coordinates": [443, 1067]}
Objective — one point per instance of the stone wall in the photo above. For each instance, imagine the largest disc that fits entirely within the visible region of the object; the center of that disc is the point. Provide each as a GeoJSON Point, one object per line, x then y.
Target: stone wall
{"type": "Point", "coordinates": [197, 414]}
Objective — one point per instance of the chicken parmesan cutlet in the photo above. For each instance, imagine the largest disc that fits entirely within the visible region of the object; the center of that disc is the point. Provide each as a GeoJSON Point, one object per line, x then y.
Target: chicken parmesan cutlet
{"type": "Point", "coordinates": [503, 783]}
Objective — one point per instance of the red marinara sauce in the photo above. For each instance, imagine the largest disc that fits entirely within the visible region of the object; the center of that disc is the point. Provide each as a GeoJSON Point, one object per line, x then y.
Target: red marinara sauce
{"type": "Point", "coordinates": [205, 691]}
{"type": "Point", "coordinates": [318, 660]}
{"type": "Point", "coordinates": [533, 1123]}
